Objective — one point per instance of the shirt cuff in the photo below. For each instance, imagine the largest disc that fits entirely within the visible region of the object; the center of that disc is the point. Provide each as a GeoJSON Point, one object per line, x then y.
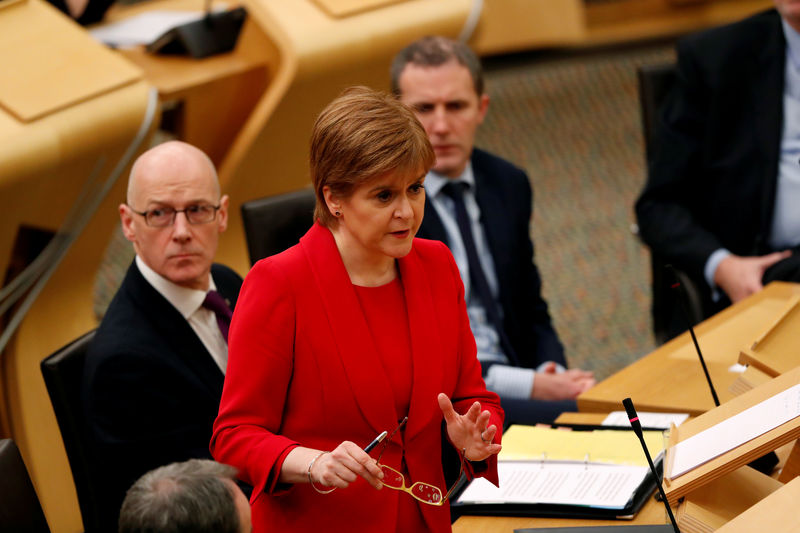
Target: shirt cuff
{"type": "Point", "coordinates": [510, 381]}
{"type": "Point", "coordinates": [710, 270]}
{"type": "Point", "coordinates": [559, 367]}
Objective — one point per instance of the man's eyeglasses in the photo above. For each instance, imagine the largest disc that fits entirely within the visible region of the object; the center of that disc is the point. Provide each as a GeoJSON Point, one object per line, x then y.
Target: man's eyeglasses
{"type": "Point", "coordinates": [161, 217]}
{"type": "Point", "coordinates": [424, 492]}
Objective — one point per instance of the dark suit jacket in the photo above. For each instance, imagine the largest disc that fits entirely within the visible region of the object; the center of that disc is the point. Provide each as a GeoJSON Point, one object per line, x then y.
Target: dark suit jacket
{"type": "Point", "coordinates": [151, 389]}
{"type": "Point", "coordinates": [505, 198]}
{"type": "Point", "coordinates": [713, 175]}
{"type": "Point", "coordinates": [303, 369]}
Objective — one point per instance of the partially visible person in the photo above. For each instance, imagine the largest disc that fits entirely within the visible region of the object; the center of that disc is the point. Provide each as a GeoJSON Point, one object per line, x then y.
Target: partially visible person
{"type": "Point", "coordinates": [723, 185]}
{"type": "Point", "coordinates": [358, 329]}
{"type": "Point", "coordinates": [154, 371]}
{"type": "Point", "coordinates": [84, 12]}
{"type": "Point", "coordinates": [194, 496]}
{"type": "Point", "coordinates": [481, 206]}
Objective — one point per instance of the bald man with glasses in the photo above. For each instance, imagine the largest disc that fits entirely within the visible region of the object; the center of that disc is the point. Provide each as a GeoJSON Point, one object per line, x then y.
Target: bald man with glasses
{"type": "Point", "coordinates": [154, 372]}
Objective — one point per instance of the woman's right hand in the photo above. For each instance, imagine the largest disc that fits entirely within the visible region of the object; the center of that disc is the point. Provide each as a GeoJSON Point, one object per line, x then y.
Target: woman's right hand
{"type": "Point", "coordinates": [337, 468]}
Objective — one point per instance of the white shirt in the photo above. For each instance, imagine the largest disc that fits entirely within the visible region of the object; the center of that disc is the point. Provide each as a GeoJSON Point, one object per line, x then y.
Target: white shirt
{"type": "Point", "coordinates": [507, 381]}
{"type": "Point", "coordinates": [189, 303]}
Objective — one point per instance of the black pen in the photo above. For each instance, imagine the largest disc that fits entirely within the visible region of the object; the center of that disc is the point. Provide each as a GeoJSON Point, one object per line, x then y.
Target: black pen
{"type": "Point", "coordinates": [375, 442]}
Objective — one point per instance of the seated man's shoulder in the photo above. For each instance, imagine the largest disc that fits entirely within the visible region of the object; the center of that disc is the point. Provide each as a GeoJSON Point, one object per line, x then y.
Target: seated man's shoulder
{"type": "Point", "coordinates": [501, 173]}
{"type": "Point", "coordinates": [125, 336]}
{"type": "Point", "coordinates": [220, 271]}
{"type": "Point", "coordinates": [488, 160]}
{"type": "Point", "coordinates": [724, 42]}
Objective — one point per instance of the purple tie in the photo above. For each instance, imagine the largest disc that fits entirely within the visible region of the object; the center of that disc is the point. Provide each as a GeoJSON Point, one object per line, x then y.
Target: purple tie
{"type": "Point", "coordinates": [216, 303]}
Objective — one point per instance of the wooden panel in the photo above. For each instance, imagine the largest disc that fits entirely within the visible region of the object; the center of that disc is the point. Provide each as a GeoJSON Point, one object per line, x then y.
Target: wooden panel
{"type": "Point", "coordinates": [777, 513]}
{"type": "Point", "coordinates": [723, 499]}
{"type": "Point", "coordinates": [345, 8]}
{"type": "Point", "coordinates": [514, 25]}
{"type": "Point", "coordinates": [670, 379]}
{"type": "Point", "coordinates": [70, 61]}
{"type": "Point", "coordinates": [610, 21]}
{"type": "Point", "coordinates": [775, 351]}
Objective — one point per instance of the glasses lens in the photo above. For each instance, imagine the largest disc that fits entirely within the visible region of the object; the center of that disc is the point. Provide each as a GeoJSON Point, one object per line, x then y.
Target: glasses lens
{"type": "Point", "coordinates": [427, 493]}
{"type": "Point", "coordinates": [392, 478]}
{"type": "Point", "coordinates": [160, 217]}
{"type": "Point", "coordinates": [200, 214]}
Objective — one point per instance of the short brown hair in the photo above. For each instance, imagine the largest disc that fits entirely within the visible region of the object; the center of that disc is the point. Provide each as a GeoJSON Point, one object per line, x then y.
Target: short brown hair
{"type": "Point", "coordinates": [432, 51]}
{"type": "Point", "coordinates": [361, 135]}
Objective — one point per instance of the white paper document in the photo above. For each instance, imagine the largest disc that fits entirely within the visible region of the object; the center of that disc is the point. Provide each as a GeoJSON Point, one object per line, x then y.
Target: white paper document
{"type": "Point", "coordinates": [648, 420]}
{"type": "Point", "coordinates": [144, 28]}
{"type": "Point", "coordinates": [592, 485]}
{"type": "Point", "coordinates": [735, 431]}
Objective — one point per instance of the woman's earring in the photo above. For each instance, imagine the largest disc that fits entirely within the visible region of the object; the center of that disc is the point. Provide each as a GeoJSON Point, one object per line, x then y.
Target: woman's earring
{"type": "Point", "coordinates": [337, 214]}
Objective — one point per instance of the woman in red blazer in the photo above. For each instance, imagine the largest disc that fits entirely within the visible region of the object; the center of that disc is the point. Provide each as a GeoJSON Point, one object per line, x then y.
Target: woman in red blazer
{"type": "Point", "coordinates": [346, 334]}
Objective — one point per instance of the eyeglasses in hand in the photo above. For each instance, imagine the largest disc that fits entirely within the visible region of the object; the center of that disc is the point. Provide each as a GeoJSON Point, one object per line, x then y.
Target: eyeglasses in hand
{"type": "Point", "coordinates": [424, 492]}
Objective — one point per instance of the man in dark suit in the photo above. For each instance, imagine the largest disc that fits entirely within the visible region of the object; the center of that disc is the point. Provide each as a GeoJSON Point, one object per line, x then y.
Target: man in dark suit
{"type": "Point", "coordinates": [154, 372]}
{"type": "Point", "coordinates": [480, 206]}
{"type": "Point", "coordinates": [724, 181]}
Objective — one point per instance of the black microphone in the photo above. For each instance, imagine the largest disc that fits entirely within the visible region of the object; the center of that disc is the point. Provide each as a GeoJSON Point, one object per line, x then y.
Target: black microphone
{"type": "Point", "coordinates": [637, 428]}
{"type": "Point", "coordinates": [682, 298]}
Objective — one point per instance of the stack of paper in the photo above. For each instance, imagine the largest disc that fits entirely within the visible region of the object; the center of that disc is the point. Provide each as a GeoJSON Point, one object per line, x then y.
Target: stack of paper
{"type": "Point", "coordinates": [601, 469]}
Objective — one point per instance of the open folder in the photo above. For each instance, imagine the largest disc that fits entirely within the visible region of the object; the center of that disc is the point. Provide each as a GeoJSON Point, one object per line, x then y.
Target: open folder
{"type": "Point", "coordinates": [555, 472]}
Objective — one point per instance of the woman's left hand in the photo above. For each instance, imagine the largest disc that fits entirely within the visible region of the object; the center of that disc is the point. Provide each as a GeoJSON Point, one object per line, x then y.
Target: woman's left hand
{"type": "Point", "coordinates": [470, 432]}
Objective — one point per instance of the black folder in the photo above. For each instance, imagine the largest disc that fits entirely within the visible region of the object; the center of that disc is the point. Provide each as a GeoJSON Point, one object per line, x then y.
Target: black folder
{"type": "Point", "coordinates": [637, 501]}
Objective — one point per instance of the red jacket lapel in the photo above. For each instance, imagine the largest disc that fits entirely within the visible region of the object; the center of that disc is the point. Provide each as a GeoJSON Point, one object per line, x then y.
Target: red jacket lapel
{"type": "Point", "coordinates": [425, 340]}
{"type": "Point", "coordinates": [351, 335]}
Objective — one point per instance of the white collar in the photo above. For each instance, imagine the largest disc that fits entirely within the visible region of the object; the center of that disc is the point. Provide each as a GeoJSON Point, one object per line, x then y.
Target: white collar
{"type": "Point", "coordinates": [792, 43]}
{"type": "Point", "coordinates": [185, 300]}
{"type": "Point", "coordinates": [434, 181]}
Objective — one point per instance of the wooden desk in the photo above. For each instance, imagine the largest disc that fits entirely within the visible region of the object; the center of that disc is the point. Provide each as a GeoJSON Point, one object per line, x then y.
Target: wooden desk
{"type": "Point", "coordinates": [206, 101]}
{"type": "Point", "coordinates": [671, 378]}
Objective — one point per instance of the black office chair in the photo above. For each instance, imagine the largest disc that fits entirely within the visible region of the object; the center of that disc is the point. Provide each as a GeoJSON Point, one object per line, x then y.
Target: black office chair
{"type": "Point", "coordinates": [655, 82]}
{"type": "Point", "coordinates": [63, 376]}
{"type": "Point", "coordinates": [275, 223]}
{"type": "Point", "coordinates": [20, 510]}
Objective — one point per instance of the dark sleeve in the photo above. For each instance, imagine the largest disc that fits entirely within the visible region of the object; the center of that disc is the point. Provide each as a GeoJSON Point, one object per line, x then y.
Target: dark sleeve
{"type": "Point", "coordinates": [548, 347]}
{"type": "Point", "coordinates": [666, 209]}
{"type": "Point", "coordinates": [140, 415]}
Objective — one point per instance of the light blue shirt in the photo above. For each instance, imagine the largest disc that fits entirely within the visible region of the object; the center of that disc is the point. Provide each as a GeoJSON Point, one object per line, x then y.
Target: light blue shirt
{"type": "Point", "coordinates": [785, 231]}
{"type": "Point", "coordinates": [507, 381]}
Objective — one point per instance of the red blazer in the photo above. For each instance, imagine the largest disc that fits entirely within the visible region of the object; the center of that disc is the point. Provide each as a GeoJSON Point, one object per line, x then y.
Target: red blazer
{"type": "Point", "coordinates": [302, 370]}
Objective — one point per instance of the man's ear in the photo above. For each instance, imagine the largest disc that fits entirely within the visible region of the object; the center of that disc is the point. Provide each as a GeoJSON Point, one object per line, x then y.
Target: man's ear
{"type": "Point", "coordinates": [126, 217]}
{"type": "Point", "coordinates": [222, 222]}
{"type": "Point", "coordinates": [483, 107]}
{"type": "Point", "coordinates": [331, 200]}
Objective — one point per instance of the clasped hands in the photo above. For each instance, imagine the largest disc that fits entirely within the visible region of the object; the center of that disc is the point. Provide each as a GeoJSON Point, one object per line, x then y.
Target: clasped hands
{"type": "Point", "coordinates": [553, 385]}
{"type": "Point", "coordinates": [470, 432]}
